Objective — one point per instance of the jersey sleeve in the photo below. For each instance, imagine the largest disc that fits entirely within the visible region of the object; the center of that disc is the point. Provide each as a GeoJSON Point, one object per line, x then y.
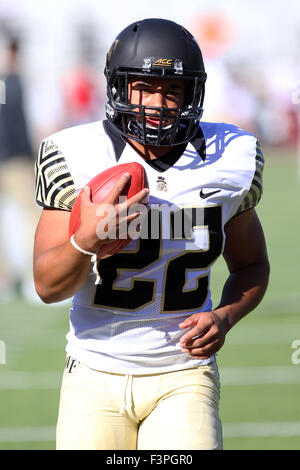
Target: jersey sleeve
{"type": "Point", "coordinates": [254, 194]}
{"type": "Point", "coordinates": [54, 185]}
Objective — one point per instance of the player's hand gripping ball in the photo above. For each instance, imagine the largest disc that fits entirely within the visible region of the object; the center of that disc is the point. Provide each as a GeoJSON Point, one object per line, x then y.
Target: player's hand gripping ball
{"type": "Point", "coordinates": [101, 186]}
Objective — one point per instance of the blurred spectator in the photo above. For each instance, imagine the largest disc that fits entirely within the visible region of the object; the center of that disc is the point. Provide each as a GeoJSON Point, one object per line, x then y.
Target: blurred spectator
{"type": "Point", "coordinates": [277, 117]}
{"type": "Point", "coordinates": [228, 98]}
{"type": "Point", "coordinates": [83, 89]}
{"type": "Point", "coordinates": [81, 95]}
{"type": "Point", "coordinates": [18, 214]}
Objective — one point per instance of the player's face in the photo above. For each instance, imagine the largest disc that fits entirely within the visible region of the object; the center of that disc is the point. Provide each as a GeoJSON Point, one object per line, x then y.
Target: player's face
{"type": "Point", "coordinates": [157, 92]}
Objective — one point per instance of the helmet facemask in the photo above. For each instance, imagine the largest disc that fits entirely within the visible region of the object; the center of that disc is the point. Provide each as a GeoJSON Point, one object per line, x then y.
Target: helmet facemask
{"type": "Point", "coordinates": [131, 119]}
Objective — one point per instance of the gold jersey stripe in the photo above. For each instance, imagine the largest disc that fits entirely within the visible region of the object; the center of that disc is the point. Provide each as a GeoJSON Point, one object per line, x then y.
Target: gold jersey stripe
{"type": "Point", "coordinates": [54, 187]}
{"type": "Point", "coordinates": [254, 194]}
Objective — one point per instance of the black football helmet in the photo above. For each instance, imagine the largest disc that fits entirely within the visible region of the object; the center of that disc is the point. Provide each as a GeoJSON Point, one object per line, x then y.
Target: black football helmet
{"type": "Point", "coordinates": [155, 48]}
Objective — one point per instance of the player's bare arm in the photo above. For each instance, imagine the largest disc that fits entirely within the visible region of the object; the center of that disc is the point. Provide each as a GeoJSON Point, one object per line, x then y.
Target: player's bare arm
{"type": "Point", "coordinates": [246, 257]}
{"type": "Point", "coordinates": [59, 269]}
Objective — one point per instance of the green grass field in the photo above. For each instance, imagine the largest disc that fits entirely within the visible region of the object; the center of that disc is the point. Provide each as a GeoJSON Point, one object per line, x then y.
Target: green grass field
{"type": "Point", "coordinates": [260, 384]}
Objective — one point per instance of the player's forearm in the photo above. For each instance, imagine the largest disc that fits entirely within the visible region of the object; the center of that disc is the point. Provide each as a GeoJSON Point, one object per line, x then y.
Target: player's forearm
{"type": "Point", "coordinates": [242, 292]}
{"type": "Point", "coordinates": [60, 272]}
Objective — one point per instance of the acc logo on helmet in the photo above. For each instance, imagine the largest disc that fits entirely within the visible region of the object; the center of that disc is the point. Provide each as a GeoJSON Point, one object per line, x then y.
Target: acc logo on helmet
{"type": "Point", "coordinates": [165, 62]}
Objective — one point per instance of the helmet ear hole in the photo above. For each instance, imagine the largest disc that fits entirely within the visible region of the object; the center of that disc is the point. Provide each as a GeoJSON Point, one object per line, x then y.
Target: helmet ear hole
{"type": "Point", "coordinates": [135, 28]}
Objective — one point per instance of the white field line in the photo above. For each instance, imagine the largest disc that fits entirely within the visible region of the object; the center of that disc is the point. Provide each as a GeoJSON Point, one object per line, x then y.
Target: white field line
{"type": "Point", "coordinates": [263, 333]}
{"type": "Point", "coordinates": [28, 434]}
{"type": "Point", "coordinates": [260, 375]}
{"type": "Point", "coordinates": [230, 430]}
{"type": "Point", "coordinates": [267, 336]}
{"type": "Point", "coordinates": [272, 429]}
{"type": "Point", "coordinates": [250, 336]}
{"type": "Point", "coordinates": [243, 338]}
{"type": "Point", "coordinates": [18, 380]}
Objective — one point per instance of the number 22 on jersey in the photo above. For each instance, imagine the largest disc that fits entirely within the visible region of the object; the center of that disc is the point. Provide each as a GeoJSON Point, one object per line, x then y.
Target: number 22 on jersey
{"type": "Point", "coordinates": [142, 291]}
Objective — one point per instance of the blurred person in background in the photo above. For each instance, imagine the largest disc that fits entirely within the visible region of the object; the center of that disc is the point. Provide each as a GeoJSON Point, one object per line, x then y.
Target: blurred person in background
{"type": "Point", "coordinates": [82, 88]}
{"type": "Point", "coordinates": [18, 215]}
{"type": "Point", "coordinates": [81, 96]}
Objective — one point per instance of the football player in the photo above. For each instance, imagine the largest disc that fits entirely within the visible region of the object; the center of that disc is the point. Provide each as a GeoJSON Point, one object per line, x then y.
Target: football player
{"type": "Point", "coordinates": [141, 368]}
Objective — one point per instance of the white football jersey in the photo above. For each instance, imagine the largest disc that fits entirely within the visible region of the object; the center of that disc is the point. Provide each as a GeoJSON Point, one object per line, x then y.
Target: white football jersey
{"type": "Point", "coordinates": [128, 322]}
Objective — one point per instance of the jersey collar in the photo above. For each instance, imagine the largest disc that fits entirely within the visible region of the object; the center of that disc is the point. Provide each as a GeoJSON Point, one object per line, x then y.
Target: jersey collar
{"type": "Point", "coordinates": [159, 164]}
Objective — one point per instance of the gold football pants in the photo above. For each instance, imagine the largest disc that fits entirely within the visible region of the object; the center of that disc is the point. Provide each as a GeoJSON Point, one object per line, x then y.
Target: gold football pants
{"type": "Point", "coordinates": [105, 411]}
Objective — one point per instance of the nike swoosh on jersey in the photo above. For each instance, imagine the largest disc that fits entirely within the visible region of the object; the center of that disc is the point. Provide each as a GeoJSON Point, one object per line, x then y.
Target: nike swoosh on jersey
{"type": "Point", "coordinates": [206, 195]}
